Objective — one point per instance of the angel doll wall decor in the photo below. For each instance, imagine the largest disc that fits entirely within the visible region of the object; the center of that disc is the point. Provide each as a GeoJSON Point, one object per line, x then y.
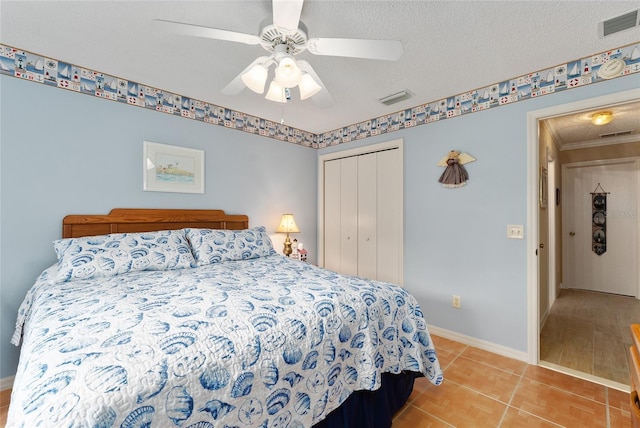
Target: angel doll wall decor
{"type": "Point", "coordinates": [455, 174]}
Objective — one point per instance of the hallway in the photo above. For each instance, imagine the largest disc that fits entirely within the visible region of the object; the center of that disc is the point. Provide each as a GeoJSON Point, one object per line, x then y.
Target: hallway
{"type": "Point", "coordinates": [589, 332]}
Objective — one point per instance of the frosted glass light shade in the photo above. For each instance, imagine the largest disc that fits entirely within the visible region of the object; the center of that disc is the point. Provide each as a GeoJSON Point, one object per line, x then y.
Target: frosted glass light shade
{"type": "Point", "coordinates": [288, 224]}
{"type": "Point", "coordinates": [276, 93]}
{"type": "Point", "coordinates": [288, 74]}
{"type": "Point", "coordinates": [602, 118]}
{"type": "Point", "coordinates": [255, 78]}
{"type": "Point", "coordinates": [308, 87]}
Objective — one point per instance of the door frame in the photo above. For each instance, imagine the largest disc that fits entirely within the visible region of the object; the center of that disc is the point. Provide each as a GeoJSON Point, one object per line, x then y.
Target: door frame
{"type": "Point", "coordinates": [372, 148]}
{"type": "Point", "coordinates": [552, 213]}
{"type": "Point", "coordinates": [603, 162]}
{"type": "Point", "coordinates": [533, 162]}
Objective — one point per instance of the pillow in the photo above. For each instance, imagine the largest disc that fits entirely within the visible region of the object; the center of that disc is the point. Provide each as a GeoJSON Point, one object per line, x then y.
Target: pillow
{"type": "Point", "coordinates": [117, 253]}
{"type": "Point", "coordinates": [214, 246]}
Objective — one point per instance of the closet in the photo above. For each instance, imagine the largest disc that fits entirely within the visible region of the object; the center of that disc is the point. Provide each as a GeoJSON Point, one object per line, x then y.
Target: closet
{"type": "Point", "coordinates": [362, 212]}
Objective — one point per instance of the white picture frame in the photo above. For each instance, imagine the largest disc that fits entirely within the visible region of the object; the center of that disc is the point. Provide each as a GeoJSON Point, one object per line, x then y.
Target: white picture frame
{"type": "Point", "coordinates": [169, 168]}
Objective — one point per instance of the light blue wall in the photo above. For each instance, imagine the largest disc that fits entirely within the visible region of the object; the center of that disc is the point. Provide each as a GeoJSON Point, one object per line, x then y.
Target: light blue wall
{"type": "Point", "coordinates": [455, 239]}
{"type": "Point", "coordinates": [64, 153]}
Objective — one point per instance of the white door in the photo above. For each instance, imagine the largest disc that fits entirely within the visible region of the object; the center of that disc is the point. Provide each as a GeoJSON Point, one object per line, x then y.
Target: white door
{"type": "Point", "coordinates": [331, 217]}
{"type": "Point", "coordinates": [367, 216]}
{"type": "Point", "coordinates": [615, 271]}
{"type": "Point", "coordinates": [349, 216]}
{"type": "Point", "coordinates": [389, 217]}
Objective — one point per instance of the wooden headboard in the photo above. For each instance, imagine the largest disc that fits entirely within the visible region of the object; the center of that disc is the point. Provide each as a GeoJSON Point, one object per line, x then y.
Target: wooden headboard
{"type": "Point", "coordinates": [122, 220]}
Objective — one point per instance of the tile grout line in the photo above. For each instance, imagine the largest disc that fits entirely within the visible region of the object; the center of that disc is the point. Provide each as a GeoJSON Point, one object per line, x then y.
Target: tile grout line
{"type": "Point", "coordinates": [513, 394]}
{"type": "Point", "coordinates": [433, 416]}
{"type": "Point", "coordinates": [423, 411]}
{"type": "Point", "coordinates": [606, 403]}
{"type": "Point", "coordinates": [508, 404]}
{"type": "Point", "coordinates": [404, 410]}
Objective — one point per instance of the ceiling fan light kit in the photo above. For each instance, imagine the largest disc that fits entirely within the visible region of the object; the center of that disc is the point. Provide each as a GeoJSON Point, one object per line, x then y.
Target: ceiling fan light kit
{"type": "Point", "coordinates": [276, 93]}
{"type": "Point", "coordinates": [286, 37]}
{"type": "Point", "coordinates": [288, 74]}
{"type": "Point", "coordinates": [256, 78]}
{"type": "Point", "coordinates": [308, 87]}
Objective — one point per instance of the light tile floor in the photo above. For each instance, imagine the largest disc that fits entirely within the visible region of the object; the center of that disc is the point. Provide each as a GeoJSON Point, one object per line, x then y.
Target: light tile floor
{"type": "Point", "coordinates": [482, 389]}
{"type": "Point", "coordinates": [588, 332]}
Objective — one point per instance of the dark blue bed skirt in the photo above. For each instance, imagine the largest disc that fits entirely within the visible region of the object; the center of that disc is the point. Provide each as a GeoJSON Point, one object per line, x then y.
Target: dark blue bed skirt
{"type": "Point", "coordinates": [373, 409]}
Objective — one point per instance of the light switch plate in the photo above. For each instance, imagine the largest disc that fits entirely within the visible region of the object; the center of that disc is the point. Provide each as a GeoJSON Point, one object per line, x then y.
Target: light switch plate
{"type": "Point", "coordinates": [515, 231]}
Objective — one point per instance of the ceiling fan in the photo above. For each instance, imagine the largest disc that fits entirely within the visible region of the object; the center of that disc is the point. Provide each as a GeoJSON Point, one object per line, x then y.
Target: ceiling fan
{"type": "Point", "coordinates": [285, 38]}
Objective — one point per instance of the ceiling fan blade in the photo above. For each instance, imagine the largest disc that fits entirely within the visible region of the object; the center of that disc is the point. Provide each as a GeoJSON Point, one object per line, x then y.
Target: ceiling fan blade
{"type": "Point", "coordinates": [323, 98]}
{"type": "Point", "coordinates": [207, 32]}
{"type": "Point", "coordinates": [286, 15]}
{"type": "Point", "coordinates": [389, 50]}
{"type": "Point", "coordinates": [237, 85]}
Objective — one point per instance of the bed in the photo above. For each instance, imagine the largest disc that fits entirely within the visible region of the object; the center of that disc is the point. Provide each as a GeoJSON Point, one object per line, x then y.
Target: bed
{"type": "Point", "coordinates": [190, 318]}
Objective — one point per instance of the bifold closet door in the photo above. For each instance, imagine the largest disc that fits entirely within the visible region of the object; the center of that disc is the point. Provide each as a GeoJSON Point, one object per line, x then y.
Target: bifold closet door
{"type": "Point", "coordinates": [349, 216]}
{"type": "Point", "coordinates": [367, 216]}
{"type": "Point", "coordinates": [332, 215]}
{"type": "Point", "coordinates": [389, 217]}
{"type": "Point", "coordinates": [341, 215]}
{"type": "Point", "coordinates": [363, 216]}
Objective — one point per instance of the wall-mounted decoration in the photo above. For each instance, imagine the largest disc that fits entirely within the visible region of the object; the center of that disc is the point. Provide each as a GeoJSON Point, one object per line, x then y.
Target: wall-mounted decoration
{"type": "Point", "coordinates": [542, 187]}
{"type": "Point", "coordinates": [41, 69]}
{"type": "Point", "coordinates": [455, 174]}
{"type": "Point", "coordinates": [599, 220]}
{"type": "Point", "coordinates": [172, 168]}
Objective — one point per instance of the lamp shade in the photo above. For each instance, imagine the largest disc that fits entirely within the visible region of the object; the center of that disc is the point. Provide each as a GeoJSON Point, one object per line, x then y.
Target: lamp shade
{"type": "Point", "coordinates": [255, 78]}
{"type": "Point", "coordinates": [308, 87]}
{"type": "Point", "coordinates": [288, 224]}
{"type": "Point", "coordinates": [288, 74]}
{"type": "Point", "coordinates": [276, 93]}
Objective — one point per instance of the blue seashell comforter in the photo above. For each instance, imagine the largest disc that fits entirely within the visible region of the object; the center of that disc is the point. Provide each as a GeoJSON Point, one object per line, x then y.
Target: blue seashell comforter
{"type": "Point", "coordinates": [264, 342]}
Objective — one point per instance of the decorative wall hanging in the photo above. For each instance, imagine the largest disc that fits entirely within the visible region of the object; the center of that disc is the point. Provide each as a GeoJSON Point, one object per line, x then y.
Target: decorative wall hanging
{"type": "Point", "coordinates": [599, 220]}
{"type": "Point", "coordinates": [544, 193]}
{"type": "Point", "coordinates": [172, 169]}
{"type": "Point", "coordinates": [455, 174]}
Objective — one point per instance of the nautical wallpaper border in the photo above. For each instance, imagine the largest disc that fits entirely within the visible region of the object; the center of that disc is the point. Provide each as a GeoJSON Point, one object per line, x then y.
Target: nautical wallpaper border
{"type": "Point", "coordinates": [579, 72]}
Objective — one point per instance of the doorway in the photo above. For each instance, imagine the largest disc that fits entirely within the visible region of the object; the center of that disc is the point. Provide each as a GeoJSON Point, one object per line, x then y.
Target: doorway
{"type": "Point", "coordinates": [540, 300]}
{"type": "Point", "coordinates": [608, 264]}
{"type": "Point", "coordinates": [587, 328]}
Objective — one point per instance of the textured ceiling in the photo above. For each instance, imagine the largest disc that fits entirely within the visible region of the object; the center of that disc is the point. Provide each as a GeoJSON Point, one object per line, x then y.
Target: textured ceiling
{"type": "Point", "coordinates": [449, 47]}
{"type": "Point", "coordinates": [576, 130]}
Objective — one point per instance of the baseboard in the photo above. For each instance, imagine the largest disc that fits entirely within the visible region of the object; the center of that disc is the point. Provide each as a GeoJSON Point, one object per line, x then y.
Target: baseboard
{"type": "Point", "coordinates": [543, 319]}
{"type": "Point", "coordinates": [6, 383]}
{"type": "Point", "coordinates": [479, 343]}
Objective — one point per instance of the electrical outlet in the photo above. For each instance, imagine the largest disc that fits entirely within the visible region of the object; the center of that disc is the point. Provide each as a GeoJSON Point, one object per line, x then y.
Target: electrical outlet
{"type": "Point", "coordinates": [456, 303]}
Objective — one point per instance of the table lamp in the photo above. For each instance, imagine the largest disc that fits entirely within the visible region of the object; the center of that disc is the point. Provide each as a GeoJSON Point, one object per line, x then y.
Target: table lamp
{"type": "Point", "coordinates": [287, 225]}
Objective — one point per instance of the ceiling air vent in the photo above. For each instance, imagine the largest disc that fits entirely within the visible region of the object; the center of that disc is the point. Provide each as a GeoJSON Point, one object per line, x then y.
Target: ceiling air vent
{"type": "Point", "coordinates": [615, 134]}
{"type": "Point", "coordinates": [395, 98]}
{"type": "Point", "coordinates": [619, 23]}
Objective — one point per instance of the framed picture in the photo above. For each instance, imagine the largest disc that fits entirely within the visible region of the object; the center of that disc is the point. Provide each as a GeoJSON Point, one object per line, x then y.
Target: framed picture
{"type": "Point", "coordinates": [172, 168]}
{"type": "Point", "coordinates": [543, 187]}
